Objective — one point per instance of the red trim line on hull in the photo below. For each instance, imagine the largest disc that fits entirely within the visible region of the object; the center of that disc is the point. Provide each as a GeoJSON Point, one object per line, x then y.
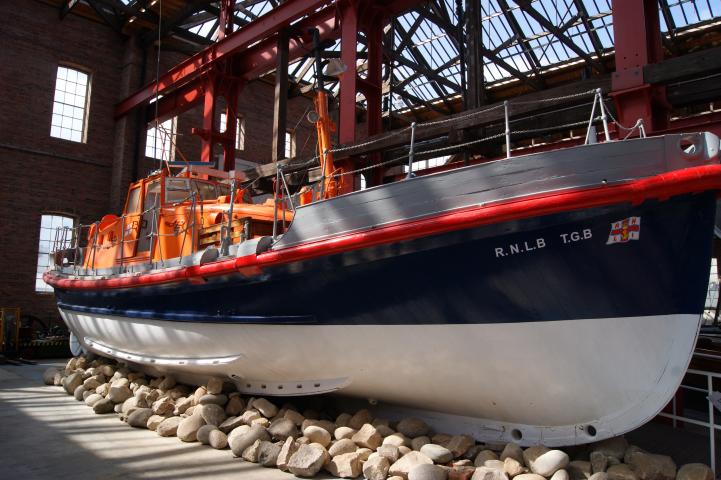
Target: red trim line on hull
{"type": "Point", "coordinates": [663, 186]}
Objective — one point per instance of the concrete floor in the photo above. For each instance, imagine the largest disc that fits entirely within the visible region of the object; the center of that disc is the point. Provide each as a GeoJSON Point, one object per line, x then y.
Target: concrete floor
{"type": "Point", "coordinates": [45, 434]}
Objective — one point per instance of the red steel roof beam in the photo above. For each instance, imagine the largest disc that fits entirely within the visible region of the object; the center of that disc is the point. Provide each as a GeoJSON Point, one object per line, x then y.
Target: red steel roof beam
{"type": "Point", "coordinates": [268, 24]}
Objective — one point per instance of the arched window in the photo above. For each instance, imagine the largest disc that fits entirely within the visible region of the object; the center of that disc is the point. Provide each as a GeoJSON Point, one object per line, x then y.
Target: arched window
{"type": "Point", "coordinates": [49, 224]}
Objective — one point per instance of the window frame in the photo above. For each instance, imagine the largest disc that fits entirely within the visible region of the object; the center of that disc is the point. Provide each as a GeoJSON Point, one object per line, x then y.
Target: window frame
{"type": "Point", "coordinates": [172, 141]}
{"type": "Point", "coordinates": [86, 103]}
{"type": "Point", "coordinates": [38, 273]}
{"type": "Point", "coordinates": [289, 143]}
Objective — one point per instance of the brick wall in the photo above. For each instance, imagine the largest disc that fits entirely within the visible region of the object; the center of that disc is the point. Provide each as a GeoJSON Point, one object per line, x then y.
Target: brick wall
{"type": "Point", "coordinates": [41, 174]}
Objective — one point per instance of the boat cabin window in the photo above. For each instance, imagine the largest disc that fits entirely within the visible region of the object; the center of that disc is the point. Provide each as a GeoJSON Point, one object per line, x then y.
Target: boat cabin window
{"type": "Point", "coordinates": [133, 200]}
{"type": "Point", "coordinates": [178, 190]}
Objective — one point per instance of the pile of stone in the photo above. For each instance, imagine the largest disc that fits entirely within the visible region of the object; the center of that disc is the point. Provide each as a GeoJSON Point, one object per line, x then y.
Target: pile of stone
{"type": "Point", "coordinates": [350, 446]}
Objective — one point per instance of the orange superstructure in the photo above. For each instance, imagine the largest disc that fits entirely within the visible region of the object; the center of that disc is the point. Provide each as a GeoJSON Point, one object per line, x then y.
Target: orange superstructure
{"type": "Point", "coordinates": [167, 217]}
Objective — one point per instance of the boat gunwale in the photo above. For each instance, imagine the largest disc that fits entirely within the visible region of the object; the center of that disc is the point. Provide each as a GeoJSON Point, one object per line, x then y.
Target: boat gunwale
{"type": "Point", "coordinates": [661, 186]}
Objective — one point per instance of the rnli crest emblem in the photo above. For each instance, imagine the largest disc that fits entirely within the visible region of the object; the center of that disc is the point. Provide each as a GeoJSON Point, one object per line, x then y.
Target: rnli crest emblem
{"type": "Point", "coordinates": [625, 230]}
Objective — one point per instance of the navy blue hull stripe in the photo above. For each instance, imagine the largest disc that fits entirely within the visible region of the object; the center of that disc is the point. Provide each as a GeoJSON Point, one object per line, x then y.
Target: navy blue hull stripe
{"type": "Point", "coordinates": [191, 317]}
{"type": "Point", "coordinates": [557, 267]}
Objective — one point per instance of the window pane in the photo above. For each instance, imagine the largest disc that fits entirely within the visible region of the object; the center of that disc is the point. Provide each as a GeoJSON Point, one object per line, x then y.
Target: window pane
{"type": "Point", "coordinates": [160, 142]}
{"type": "Point", "coordinates": [55, 233]}
{"type": "Point", "coordinates": [70, 102]}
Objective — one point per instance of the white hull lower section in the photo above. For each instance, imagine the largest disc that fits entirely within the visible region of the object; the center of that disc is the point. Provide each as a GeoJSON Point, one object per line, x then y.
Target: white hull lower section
{"type": "Point", "coordinates": [536, 382]}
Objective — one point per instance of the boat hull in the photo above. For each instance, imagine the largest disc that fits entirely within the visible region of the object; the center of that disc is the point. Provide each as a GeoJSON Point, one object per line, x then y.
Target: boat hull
{"type": "Point", "coordinates": [534, 329]}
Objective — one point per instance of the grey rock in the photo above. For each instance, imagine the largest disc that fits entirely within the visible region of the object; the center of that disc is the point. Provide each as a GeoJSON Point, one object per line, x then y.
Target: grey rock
{"type": "Point", "coordinates": [103, 406]}
{"type": "Point", "coordinates": [599, 476]}
{"type": "Point", "coordinates": [459, 444]}
{"type": "Point", "coordinates": [427, 472]}
{"type": "Point", "coordinates": [217, 439]}
{"type": "Point", "coordinates": [612, 447]}
{"type": "Point", "coordinates": [599, 461]}
{"type": "Point", "coordinates": [418, 442]}
{"type": "Point", "coordinates": [376, 468]}
{"type": "Point", "coordinates": [182, 404]}
{"type": "Point", "coordinates": [188, 428]}
{"type": "Point", "coordinates": [249, 416]}
{"type": "Point", "coordinates": [579, 470]}
{"type": "Point", "coordinates": [203, 434]}
{"type": "Point", "coordinates": [532, 453]}
{"type": "Point", "coordinates": [437, 453]}
{"type": "Point", "coordinates": [624, 472]}
{"type": "Point", "coordinates": [78, 393]}
{"type": "Point", "coordinates": [513, 467]}
{"type": "Point", "coordinates": [694, 471]}
{"type": "Point", "coordinates": [343, 419]}
{"type": "Point", "coordinates": [168, 427]}
{"type": "Point", "coordinates": [367, 437]}
{"type": "Point", "coordinates": [294, 417]}
{"type": "Point", "coordinates": [486, 473]}
{"type": "Point", "coordinates": [308, 460]}
{"type": "Point", "coordinates": [229, 424]}
{"type": "Point", "coordinates": [346, 465]}
{"type": "Point", "coordinates": [71, 382]}
{"type": "Point", "coordinates": [286, 451]}
{"type": "Point", "coordinates": [345, 445]}
{"type": "Point", "coordinates": [265, 407]}
{"type": "Point", "coordinates": [549, 463]}
{"type": "Point", "coordinates": [49, 375]}
{"type": "Point", "coordinates": [647, 466]}
{"type": "Point", "coordinates": [210, 399]}
{"type": "Point", "coordinates": [268, 454]}
{"type": "Point", "coordinates": [391, 452]}
{"type": "Point", "coordinates": [560, 475]}
{"type": "Point", "coordinates": [483, 456]}
{"type": "Point", "coordinates": [212, 414]}
{"type": "Point", "coordinates": [92, 398]}
{"type": "Point", "coordinates": [397, 439]}
{"type": "Point", "coordinates": [238, 443]}
{"type": "Point", "coordinates": [283, 428]}
{"type": "Point", "coordinates": [404, 465]}
{"type": "Point", "coordinates": [119, 393]}
{"type": "Point", "coordinates": [166, 383]}
{"type": "Point", "coordinates": [139, 418]}
{"type": "Point", "coordinates": [341, 433]}
{"type": "Point", "coordinates": [250, 454]}
{"type": "Point", "coordinates": [154, 421]}
{"type": "Point", "coordinates": [234, 406]}
{"type": "Point", "coordinates": [412, 427]}
{"type": "Point", "coordinates": [317, 435]}
{"type": "Point", "coordinates": [215, 385]}
{"type": "Point", "coordinates": [360, 418]}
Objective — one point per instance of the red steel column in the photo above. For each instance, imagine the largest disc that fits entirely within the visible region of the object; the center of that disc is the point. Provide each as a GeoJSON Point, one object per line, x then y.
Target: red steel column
{"type": "Point", "coordinates": [349, 80]}
{"type": "Point", "coordinates": [225, 19]}
{"type": "Point", "coordinates": [637, 38]}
